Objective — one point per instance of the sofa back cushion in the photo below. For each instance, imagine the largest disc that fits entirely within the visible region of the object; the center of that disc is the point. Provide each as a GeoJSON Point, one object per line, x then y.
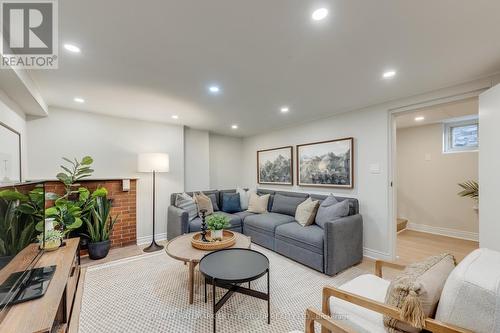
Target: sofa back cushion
{"type": "Point", "coordinates": [285, 204]}
{"type": "Point", "coordinates": [330, 209]}
{"type": "Point", "coordinates": [416, 291]}
{"type": "Point", "coordinates": [231, 203]}
{"type": "Point", "coordinates": [213, 199]}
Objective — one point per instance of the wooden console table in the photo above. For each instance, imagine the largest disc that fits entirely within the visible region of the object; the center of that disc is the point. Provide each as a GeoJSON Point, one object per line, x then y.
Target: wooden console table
{"type": "Point", "coordinates": [52, 312]}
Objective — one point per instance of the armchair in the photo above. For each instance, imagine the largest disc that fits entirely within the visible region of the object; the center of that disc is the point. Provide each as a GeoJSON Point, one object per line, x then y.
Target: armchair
{"type": "Point", "coordinates": [361, 307]}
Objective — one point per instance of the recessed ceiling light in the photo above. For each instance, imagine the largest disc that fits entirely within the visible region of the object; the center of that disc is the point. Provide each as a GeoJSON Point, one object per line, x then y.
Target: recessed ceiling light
{"type": "Point", "coordinates": [175, 116]}
{"type": "Point", "coordinates": [389, 74]}
{"type": "Point", "coordinates": [319, 14]}
{"type": "Point", "coordinates": [214, 89]}
{"type": "Point", "coordinates": [285, 109]}
{"type": "Point", "coordinates": [234, 126]}
{"type": "Point", "coordinates": [79, 100]}
{"type": "Point", "coordinates": [419, 118]}
{"type": "Point", "coordinates": [72, 48]}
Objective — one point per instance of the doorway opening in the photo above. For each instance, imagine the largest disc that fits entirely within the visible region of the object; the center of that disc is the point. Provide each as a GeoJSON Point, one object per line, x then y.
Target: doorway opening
{"type": "Point", "coordinates": [436, 170]}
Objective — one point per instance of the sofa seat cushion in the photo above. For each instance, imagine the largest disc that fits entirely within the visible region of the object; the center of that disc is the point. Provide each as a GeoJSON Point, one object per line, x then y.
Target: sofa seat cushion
{"type": "Point", "coordinates": [267, 222]}
{"type": "Point", "coordinates": [309, 237]}
{"type": "Point", "coordinates": [361, 319]}
{"type": "Point", "coordinates": [243, 214]}
{"type": "Point", "coordinates": [234, 220]}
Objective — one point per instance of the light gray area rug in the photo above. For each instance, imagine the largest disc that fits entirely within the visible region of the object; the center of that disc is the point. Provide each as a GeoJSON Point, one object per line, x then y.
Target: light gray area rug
{"type": "Point", "coordinates": [148, 293]}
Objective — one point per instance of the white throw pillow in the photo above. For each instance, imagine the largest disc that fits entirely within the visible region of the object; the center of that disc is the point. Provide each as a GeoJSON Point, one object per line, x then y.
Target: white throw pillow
{"type": "Point", "coordinates": [244, 197]}
{"type": "Point", "coordinates": [306, 212]}
{"type": "Point", "coordinates": [258, 204]}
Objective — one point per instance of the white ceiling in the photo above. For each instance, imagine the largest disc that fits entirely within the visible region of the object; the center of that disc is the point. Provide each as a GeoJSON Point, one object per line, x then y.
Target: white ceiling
{"type": "Point", "coordinates": [439, 113]}
{"type": "Point", "coordinates": [152, 59]}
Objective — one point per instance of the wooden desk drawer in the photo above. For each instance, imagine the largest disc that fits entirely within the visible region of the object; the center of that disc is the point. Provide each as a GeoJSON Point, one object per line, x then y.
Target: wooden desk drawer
{"type": "Point", "coordinates": [71, 285]}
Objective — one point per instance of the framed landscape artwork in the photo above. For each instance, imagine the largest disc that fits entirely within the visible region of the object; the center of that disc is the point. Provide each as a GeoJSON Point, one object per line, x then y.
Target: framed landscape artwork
{"type": "Point", "coordinates": [274, 166]}
{"type": "Point", "coordinates": [326, 164]}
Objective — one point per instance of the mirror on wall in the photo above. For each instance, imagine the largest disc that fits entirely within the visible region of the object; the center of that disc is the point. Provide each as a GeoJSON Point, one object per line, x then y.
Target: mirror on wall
{"type": "Point", "coordinates": [10, 155]}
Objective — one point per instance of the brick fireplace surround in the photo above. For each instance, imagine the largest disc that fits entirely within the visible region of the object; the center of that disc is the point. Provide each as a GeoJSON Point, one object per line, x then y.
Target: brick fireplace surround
{"type": "Point", "coordinates": [124, 203]}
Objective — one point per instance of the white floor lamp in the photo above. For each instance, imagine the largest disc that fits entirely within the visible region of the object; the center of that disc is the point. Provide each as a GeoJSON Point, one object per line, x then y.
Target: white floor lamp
{"type": "Point", "coordinates": [153, 162]}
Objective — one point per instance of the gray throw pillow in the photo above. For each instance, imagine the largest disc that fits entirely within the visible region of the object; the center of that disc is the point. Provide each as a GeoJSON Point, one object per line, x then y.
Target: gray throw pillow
{"type": "Point", "coordinates": [330, 210]}
{"type": "Point", "coordinates": [284, 204]}
{"type": "Point", "coordinates": [186, 202]}
{"type": "Point", "coordinates": [213, 198]}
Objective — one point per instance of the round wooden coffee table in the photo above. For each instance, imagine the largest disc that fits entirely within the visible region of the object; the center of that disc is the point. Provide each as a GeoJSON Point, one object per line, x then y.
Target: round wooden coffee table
{"type": "Point", "coordinates": [180, 248]}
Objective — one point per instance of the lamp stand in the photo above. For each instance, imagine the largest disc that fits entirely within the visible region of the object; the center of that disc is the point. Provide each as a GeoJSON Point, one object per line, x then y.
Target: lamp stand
{"type": "Point", "coordinates": [154, 246]}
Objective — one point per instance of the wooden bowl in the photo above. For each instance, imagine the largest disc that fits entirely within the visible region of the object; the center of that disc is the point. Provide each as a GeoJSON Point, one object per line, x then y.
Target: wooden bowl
{"type": "Point", "coordinates": [228, 240]}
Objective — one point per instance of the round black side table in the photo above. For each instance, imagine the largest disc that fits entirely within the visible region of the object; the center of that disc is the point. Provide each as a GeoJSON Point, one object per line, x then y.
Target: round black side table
{"type": "Point", "coordinates": [228, 269]}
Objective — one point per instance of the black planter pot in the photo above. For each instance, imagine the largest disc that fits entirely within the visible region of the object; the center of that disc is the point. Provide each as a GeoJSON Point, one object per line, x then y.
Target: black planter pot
{"type": "Point", "coordinates": [99, 250]}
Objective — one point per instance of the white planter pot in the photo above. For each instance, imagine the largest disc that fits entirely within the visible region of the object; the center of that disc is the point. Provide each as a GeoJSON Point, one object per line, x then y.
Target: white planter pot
{"type": "Point", "coordinates": [216, 234]}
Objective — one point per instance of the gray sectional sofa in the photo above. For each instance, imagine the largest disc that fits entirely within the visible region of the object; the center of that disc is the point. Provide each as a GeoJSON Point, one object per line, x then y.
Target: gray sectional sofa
{"type": "Point", "coordinates": [329, 250]}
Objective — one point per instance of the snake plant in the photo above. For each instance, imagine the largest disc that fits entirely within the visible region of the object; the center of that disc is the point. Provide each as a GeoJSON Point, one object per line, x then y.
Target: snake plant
{"type": "Point", "coordinates": [100, 222]}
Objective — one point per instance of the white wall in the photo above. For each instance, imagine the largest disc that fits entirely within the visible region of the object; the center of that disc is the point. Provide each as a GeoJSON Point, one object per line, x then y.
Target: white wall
{"type": "Point", "coordinates": [427, 183]}
{"type": "Point", "coordinates": [196, 160]}
{"type": "Point", "coordinates": [226, 162]}
{"type": "Point", "coordinates": [12, 116]}
{"type": "Point", "coordinates": [370, 128]}
{"type": "Point", "coordinates": [370, 131]}
{"type": "Point", "coordinates": [489, 167]}
{"type": "Point", "coordinates": [114, 144]}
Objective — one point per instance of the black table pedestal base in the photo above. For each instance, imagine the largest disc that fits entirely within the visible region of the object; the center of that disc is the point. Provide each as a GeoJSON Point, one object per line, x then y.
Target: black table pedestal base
{"type": "Point", "coordinates": [235, 288]}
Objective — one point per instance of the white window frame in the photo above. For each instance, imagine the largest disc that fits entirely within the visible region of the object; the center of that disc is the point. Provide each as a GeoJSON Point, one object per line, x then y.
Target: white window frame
{"type": "Point", "coordinates": [447, 132]}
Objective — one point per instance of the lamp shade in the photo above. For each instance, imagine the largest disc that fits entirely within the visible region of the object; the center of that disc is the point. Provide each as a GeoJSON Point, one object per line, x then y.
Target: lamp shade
{"type": "Point", "coordinates": [149, 162]}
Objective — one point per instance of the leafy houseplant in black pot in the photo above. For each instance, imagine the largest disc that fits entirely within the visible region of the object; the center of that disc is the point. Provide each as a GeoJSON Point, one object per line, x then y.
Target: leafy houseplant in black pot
{"type": "Point", "coordinates": [99, 226]}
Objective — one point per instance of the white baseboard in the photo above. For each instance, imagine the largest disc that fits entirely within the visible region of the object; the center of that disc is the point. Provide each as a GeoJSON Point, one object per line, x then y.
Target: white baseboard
{"type": "Point", "coordinates": [147, 239]}
{"type": "Point", "coordinates": [376, 255]}
{"type": "Point", "coordinates": [473, 236]}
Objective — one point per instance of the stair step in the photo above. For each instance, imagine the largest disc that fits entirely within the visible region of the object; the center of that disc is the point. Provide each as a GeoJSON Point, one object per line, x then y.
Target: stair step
{"type": "Point", "coordinates": [402, 224]}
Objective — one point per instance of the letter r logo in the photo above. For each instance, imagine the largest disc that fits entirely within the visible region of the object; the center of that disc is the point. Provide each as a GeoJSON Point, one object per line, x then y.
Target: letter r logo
{"type": "Point", "coordinates": [28, 27]}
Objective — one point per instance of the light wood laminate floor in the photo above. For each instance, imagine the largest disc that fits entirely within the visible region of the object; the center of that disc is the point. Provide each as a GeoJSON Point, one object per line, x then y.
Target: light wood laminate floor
{"type": "Point", "coordinates": [413, 246]}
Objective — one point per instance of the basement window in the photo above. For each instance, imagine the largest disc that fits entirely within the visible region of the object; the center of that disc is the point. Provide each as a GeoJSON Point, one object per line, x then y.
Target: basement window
{"type": "Point", "coordinates": [461, 136]}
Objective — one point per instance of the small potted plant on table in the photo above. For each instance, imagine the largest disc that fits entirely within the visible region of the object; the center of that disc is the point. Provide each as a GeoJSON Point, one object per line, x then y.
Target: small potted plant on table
{"type": "Point", "coordinates": [53, 239]}
{"type": "Point", "coordinates": [216, 223]}
{"type": "Point", "coordinates": [99, 226]}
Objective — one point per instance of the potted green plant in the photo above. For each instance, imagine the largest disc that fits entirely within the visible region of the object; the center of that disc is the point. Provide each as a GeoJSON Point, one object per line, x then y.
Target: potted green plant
{"type": "Point", "coordinates": [76, 203]}
{"type": "Point", "coordinates": [470, 189]}
{"type": "Point", "coordinates": [19, 214]}
{"type": "Point", "coordinates": [216, 223]}
{"type": "Point", "coordinates": [53, 239]}
{"type": "Point", "coordinates": [99, 226]}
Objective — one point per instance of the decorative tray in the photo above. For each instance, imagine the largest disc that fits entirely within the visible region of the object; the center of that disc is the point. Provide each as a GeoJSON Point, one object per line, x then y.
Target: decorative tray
{"type": "Point", "coordinates": [228, 239]}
